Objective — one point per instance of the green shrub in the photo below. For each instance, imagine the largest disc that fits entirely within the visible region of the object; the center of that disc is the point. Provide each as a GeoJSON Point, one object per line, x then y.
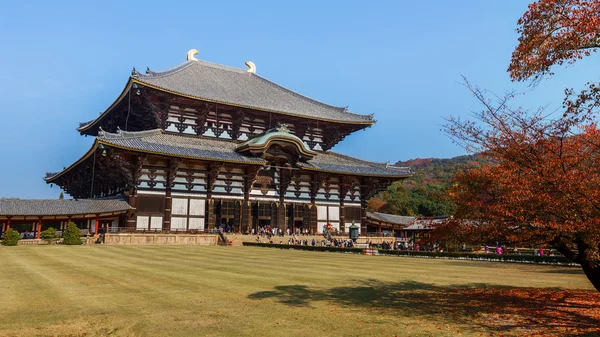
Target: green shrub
{"type": "Point", "coordinates": [435, 255]}
{"type": "Point", "coordinates": [72, 235]}
{"type": "Point", "coordinates": [11, 237]}
{"type": "Point", "coordinates": [49, 235]}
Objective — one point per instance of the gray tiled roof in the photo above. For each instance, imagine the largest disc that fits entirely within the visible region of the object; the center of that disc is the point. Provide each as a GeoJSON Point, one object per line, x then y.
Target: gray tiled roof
{"type": "Point", "coordinates": [339, 163]}
{"type": "Point", "coordinates": [427, 224]}
{"type": "Point", "coordinates": [391, 218]}
{"type": "Point", "coordinates": [160, 142]}
{"type": "Point", "coordinates": [61, 207]}
{"type": "Point", "coordinates": [165, 143]}
{"type": "Point", "coordinates": [213, 82]}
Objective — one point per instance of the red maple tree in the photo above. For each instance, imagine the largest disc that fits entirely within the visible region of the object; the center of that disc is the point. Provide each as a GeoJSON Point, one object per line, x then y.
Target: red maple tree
{"type": "Point", "coordinates": [544, 184]}
{"type": "Point", "coordinates": [554, 32]}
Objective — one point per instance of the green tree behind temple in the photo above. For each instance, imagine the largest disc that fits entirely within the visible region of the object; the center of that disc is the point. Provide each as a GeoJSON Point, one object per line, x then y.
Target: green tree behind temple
{"type": "Point", "coordinates": [61, 196]}
{"type": "Point", "coordinates": [426, 192]}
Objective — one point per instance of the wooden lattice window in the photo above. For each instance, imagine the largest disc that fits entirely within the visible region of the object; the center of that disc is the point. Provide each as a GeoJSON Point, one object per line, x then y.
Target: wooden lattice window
{"type": "Point", "coordinates": [352, 213]}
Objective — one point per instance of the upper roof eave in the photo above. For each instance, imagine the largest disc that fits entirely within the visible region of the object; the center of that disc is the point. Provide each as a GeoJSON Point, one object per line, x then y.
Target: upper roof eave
{"type": "Point", "coordinates": [88, 125]}
{"type": "Point", "coordinates": [203, 99]}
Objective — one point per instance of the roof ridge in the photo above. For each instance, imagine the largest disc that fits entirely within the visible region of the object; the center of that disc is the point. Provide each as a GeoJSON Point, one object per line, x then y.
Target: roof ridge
{"type": "Point", "coordinates": [121, 134]}
{"type": "Point", "coordinates": [156, 74]}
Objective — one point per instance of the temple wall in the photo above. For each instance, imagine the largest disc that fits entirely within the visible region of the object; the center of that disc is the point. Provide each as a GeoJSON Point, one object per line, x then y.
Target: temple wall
{"type": "Point", "coordinates": [161, 239]}
{"type": "Point", "coordinates": [187, 205]}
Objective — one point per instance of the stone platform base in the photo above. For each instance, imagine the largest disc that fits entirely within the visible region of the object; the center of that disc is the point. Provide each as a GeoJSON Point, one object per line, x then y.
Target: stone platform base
{"type": "Point", "coordinates": [160, 239]}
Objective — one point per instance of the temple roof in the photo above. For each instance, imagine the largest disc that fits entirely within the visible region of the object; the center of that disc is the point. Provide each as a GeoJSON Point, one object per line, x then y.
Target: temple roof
{"type": "Point", "coordinates": [61, 207]}
{"type": "Point", "coordinates": [391, 218]}
{"type": "Point", "coordinates": [203, 148]}
{"type": "Point", "coordinates": [161, 142]}
{"type": "Point", "coordinates": [238, 87]}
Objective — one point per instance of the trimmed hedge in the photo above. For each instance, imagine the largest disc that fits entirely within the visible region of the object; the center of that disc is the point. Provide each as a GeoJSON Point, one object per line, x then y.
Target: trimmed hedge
{"type": "Point", "coordinates": [435, 255]}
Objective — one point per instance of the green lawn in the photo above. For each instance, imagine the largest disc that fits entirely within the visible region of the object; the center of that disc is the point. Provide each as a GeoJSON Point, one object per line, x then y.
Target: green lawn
{"type": "Point", "coordinates": [247, 291]}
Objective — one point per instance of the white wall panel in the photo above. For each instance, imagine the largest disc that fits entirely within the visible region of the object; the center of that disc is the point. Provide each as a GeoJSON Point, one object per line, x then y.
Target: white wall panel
{"type": "Point", "coordinates": [197, 223]}
{"type": "Point", "coordinates": [178, 223]}
{"type": "Point", "coordinates": [156, 222]}
{"type": "Point", "coordinates": [321, 212]}
{"type": "Point", "coordinates": [334, 213]}
{"type": "Point", "coordinates": [142, 222]}
{"type": "Point", "coordinates": [197, 206]}
{"type": "Point", "coordinates": [179, 206]}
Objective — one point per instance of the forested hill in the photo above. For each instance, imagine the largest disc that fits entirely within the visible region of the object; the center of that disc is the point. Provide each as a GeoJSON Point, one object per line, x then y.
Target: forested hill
{"type": "Point", "coordinates": [436, 170]}
{"type": "Point", "coordinates": [426, 192]}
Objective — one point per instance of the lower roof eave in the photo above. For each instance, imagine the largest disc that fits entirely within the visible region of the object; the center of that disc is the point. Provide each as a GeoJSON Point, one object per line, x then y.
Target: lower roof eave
{"type": "Point", "coordinates": [394, 176]}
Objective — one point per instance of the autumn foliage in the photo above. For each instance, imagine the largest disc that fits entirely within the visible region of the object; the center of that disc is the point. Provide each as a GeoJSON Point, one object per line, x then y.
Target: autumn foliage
{"type": "Point", "coordinates": [544, 184]}
{"type": "Point", "coordinates": [554, 32]}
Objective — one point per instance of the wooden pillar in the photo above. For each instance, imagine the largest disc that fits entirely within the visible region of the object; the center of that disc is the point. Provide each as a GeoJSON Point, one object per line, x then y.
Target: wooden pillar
{"type": "Point", "coordinates": [237, 215]}
{"type": "Point", "coordinates": [315, 186]}
{"type": "Point", "coordinates": [132, 213]}
{"type": "Point", "coordinates": [246, 216]}
{"type": "Point", "coordinates": [211, 179]}
{"type": "Point", "coordinates": [250, 175]}
{"type": "Point", "coordinates": [280, 214]}
{"type": "Point", "coordinates": [285, 178]}
{"type": "Point", "coordinates": [211, 216]}
{"type": "Point", "coordinates": [171, 175]}
{"type": "Point", "coordinates": [97, 227]}
{"type": "Point", "coordinates": [8, 223]}
{"type": "Point", "coordinates": [342, 217]}
{"type": "Point", "coordinates": [313, 218]}
{"type": "Point", "coordinates": [39, 228]}
{"type": "Point", "coordinates": [166, 225]}
{"type": "Point", "coordinates": [363, 216]}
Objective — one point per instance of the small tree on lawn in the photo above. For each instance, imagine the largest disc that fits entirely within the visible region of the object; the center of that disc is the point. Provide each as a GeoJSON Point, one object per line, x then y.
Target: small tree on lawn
{"type": "Point", "coordinates": [72, 235]}
{"type": "Point", "coordinates": [49, 235]}
{"type": "Point", "coordinates": [11, 238]}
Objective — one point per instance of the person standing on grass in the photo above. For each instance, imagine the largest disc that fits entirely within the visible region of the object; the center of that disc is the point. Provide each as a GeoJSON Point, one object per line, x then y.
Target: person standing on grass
{"type": "Point", "coordinates": [486, 248]}
{"type": "Point", "coordinates": [541, 251]}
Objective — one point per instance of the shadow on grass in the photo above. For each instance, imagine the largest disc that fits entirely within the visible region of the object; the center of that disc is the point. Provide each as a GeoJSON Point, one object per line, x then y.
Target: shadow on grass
{"type": "Point", "coordinates": [503, 309]}
{"type": "Point", "coordinates": [569, 271]}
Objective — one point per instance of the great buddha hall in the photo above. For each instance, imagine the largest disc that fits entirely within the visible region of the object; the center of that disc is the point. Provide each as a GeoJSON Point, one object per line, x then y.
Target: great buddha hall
{"type": "Point", "coordinates": [200, 145]}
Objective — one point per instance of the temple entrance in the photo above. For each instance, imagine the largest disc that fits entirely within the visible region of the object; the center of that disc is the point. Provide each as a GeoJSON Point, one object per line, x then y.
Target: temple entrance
{"type": "Point", "coordinates": [226, 215]}
{"type": "Point", "coordinates": [297, 218]}
{"type": "Point", "coordinates": [262, 215]}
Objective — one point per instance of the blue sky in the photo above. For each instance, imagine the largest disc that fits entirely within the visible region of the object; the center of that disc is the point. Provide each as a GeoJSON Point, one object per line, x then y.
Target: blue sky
{"type": "Point", "coordinates": [63, 62]}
